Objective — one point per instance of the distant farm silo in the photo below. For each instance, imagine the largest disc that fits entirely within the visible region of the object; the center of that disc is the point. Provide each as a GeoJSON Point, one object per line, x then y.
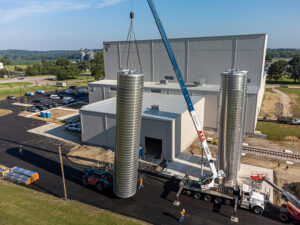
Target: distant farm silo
{"type": "Point", "coordinates": [231, 124]}
{"type": "Point", "coordinates": [129, 110]}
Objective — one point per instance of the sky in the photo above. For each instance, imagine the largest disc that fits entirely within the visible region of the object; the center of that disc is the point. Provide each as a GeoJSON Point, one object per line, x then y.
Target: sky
{"type": "Point", "coordinates": [74, 24]}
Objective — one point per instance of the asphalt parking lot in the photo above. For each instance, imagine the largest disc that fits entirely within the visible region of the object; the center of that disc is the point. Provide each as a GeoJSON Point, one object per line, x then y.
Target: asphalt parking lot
{"type": "Point", "coordinates": [153, 203]}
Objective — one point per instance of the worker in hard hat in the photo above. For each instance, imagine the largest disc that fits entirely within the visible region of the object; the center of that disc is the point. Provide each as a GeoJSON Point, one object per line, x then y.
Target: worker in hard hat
{"type": "Point", "coordinates": [181, 218]}
{"type": "Point", "coordinates": [141, 183]}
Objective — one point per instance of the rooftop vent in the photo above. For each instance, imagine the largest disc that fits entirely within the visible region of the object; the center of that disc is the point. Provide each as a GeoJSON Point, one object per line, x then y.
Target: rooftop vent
{"type": "Point", "coordinates": [155, 107]}
{"type": "Point", "coordinates": [199, 82]}
{"type": "Point", "coordinates": [163, 82]}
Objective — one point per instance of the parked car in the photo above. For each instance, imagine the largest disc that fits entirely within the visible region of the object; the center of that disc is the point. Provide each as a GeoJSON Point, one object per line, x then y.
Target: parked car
{"type": "Point", "coordinates": [81, 91]}
{"type": "Point", "coordinates": [38, 100]}
{"type": "Point", "coordinates": [49, 106]}
{"type": "Point", "coordinates": [67, 100]}
{"type": "Point", "coordinates": [288, 120]}
{"type": "Point", "coordinates": [73, 127]}
{"type": "Point", "coordinates": [11, 97]}
{"type": "Point", "coordinates": [29, 93]}
{"type": "Point", "coordinates": [33, 109]}
{"type": "Point", "coordinates": [21, 78]}
{"type": "Point", "coordinates": [53, 96]}
{"type": "Point", "coordinates": [56, 104]}
{"type": "Point", "coordinates": [41, 107]}
{"type": "Point", "coordinates": [72, 87]}
{"type": "Point", "coordinates": [68, 91]}
{"type": "Point", "coordinates": [40, 92]}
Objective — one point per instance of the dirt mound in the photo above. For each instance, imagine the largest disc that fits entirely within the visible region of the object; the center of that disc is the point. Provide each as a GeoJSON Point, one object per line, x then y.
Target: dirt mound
{"type": "Point", "coordinates": [90, 156]}
{"type": "Point", "coordinates": [292, 139]}
{"type": "Point", "coordinates": [293, 188]}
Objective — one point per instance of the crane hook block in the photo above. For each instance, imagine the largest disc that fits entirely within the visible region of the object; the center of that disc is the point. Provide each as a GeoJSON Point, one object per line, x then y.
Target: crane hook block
{"type": "Point", "coordinates": [131, 15]}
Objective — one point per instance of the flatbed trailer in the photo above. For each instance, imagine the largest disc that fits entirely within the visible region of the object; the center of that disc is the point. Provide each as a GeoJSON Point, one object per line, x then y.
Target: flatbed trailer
{"type": "Point", "coordinates": [246, 197]}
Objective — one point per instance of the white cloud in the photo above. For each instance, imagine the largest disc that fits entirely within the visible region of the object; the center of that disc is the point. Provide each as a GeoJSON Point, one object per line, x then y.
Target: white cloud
{"type": "Point", "coordinates": [8, 15]}
{"type": "Point", "coordinates": [106, 3]}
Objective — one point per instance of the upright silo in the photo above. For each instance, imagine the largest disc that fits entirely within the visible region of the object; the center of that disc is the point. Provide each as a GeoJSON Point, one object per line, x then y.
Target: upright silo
{"type": "Point", "coordinates": [231, 123]}
{"type": "Point", "coordinates": [129, 110]}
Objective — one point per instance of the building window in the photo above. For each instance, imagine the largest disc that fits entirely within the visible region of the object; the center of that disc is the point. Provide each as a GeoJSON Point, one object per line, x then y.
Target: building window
{"type": "Point", "coordinates": [112, 88]}
{"type": "Point", "coordinates": [249, 81]}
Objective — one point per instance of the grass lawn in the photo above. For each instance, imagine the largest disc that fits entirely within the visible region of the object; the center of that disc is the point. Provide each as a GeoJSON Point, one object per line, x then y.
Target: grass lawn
{"type": "Point", "coordinates": [83, 78]}
{"type": "Point", "coordinates": [20, 205]}
{"type": "Point", "coordinates": [21, 91]}
{"type": "Point", "coordinates": [4, 112]}
{"type": "Point", "coordinates": [12, 67]}
{"type": "Point", "coordinates": [14, 84]}
{"type": "Point", "coordinates": [283, 81]}
{"type": "Point", "coordinates": [277, 131]}
{"type": "Point", "coordinates": [294, 94]}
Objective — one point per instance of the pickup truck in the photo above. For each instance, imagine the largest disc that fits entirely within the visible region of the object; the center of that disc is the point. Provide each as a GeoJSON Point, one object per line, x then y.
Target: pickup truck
{"type": "Point", "coordinates": [288, 120]}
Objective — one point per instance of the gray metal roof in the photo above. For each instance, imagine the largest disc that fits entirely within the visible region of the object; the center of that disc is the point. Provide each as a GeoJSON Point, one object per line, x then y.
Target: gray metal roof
{"type": "Point", "coordinates": [171, 106]}
{"type": "Point", "coordinates": [173, 86]}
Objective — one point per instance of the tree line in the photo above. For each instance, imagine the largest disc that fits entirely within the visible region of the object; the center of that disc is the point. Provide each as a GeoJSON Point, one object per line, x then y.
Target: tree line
{"type": "Point", "coordinates": [63, 68]}
{"type": "Point", "coordinates": [282, 68]}
{"type": "Point", "coordinates": [282, 53]}
{"type": "Point", "coordinates": [42, 55]}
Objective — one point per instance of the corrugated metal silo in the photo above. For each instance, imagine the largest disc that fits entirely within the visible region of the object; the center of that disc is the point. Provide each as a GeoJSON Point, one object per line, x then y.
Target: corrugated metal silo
{"type": "Point", "coordinates": [231, 123]}
{"type": "Point", "coordinates": [129, 111]}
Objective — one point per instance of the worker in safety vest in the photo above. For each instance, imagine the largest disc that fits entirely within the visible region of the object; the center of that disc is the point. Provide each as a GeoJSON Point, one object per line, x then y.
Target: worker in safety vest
{"type": "Point", "coordinates": [20, 150]}
{"type": "Point", "coordinates": [141, 183]}
{"type": "Point", "coordinates": [181, 218]}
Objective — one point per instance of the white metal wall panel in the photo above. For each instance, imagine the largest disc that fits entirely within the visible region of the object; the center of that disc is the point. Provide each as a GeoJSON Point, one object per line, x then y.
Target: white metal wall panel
{"type": "Point", "coordinates": [250, 56]}
{"type": "Point", "coordinates": [111, 59]}
{"type": "Point", "coordinates": [208, 58]}
{"type": "Point", "coordinates": [161, 62]}
{"type": "Point", "coordinates": [251, 114]}
{"type": "Point", "coordinates": [188, 131]}
{"type": "Point", "coordinates": [94, 131]}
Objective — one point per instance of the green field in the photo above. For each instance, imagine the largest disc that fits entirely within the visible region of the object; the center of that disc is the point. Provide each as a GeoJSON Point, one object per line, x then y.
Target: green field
{"type": "Point", "coordinates": [12, 67]}
{"type": "Point", "coordinates": [277, 131]}
{"type": "Point", "coordinates": [283, 81]}
{"type": "Point", "coordinates": [20, 205]}
{"type": "Point", "coordinates": [21, 91]}
{"type": "Point", "coordinates": [14, 84]}
{"type": "Point", "coordinates": [294, 94]}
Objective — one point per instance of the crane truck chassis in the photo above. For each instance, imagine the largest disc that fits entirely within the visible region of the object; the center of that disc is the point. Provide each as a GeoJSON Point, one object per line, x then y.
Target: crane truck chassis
{"type": "Point", "coordinates": [247, 197]}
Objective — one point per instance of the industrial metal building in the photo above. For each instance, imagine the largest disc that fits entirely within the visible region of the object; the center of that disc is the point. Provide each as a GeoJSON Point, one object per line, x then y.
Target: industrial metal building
{"type": "Point", "coordinates": [167, 130]}
{"type": "Point", "coordinates": [202, 60]}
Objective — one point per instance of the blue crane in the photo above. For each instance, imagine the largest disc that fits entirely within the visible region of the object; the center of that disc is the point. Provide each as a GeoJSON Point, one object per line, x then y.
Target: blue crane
{"type": "Point", "coordinates": [188, 100]}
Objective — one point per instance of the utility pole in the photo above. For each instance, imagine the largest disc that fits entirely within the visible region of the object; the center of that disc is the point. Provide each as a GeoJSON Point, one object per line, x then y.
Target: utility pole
{"type": "Point", "coordinates": [62, 171]}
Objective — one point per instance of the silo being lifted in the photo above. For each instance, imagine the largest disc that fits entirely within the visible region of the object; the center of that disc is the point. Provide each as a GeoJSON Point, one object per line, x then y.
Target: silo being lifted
{"type": "Point", "coordinates": [231, 123]}
{"type": "Point", "coordinates": [129, 110]}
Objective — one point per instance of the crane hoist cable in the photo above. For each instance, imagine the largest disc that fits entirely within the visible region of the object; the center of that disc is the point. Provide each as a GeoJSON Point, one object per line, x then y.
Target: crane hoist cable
{"type": "Point", "coordinates": [131, 39]}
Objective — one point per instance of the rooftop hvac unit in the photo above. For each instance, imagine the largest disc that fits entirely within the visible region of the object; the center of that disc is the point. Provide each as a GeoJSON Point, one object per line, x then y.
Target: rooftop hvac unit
{"type": "Point", "coordinates": [155, 107]}
{"type": "Point", "coordinates": [163, 82]}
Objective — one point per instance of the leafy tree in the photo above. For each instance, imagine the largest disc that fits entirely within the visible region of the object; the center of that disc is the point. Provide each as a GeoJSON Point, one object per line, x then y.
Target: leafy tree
{"type": "Point", "coordinates": [19, 69]}
{"type": "Point", "coordinates": [277, 70]}
{"type": "Point", "coordinates": [97, 66]}
{"type": "Point", "coordinates": [3, 72]}
{"type": "Point", "coordinates": [63, 62]}
{"type": "Point", "coordinates": [83, 66]}
{"type": "Point", "coordinates": [295, 68]}
{"type": "Point", "coordinates": [268, 57]}
{"type": "Point", "coordinates": [68, 72]}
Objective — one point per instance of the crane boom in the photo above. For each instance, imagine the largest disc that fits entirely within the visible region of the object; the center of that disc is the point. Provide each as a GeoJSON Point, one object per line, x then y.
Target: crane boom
{"type": "Point", "coordinates": [184, 91]}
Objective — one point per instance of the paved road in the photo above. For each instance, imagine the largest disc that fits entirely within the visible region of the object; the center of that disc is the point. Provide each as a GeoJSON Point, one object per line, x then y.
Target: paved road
{"type": "Point", "coordinates": [153, 203]}
{"type": "Point", "coordinates": [30, 79]}
{"type": "Point", "coordinates": [278, 85]}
